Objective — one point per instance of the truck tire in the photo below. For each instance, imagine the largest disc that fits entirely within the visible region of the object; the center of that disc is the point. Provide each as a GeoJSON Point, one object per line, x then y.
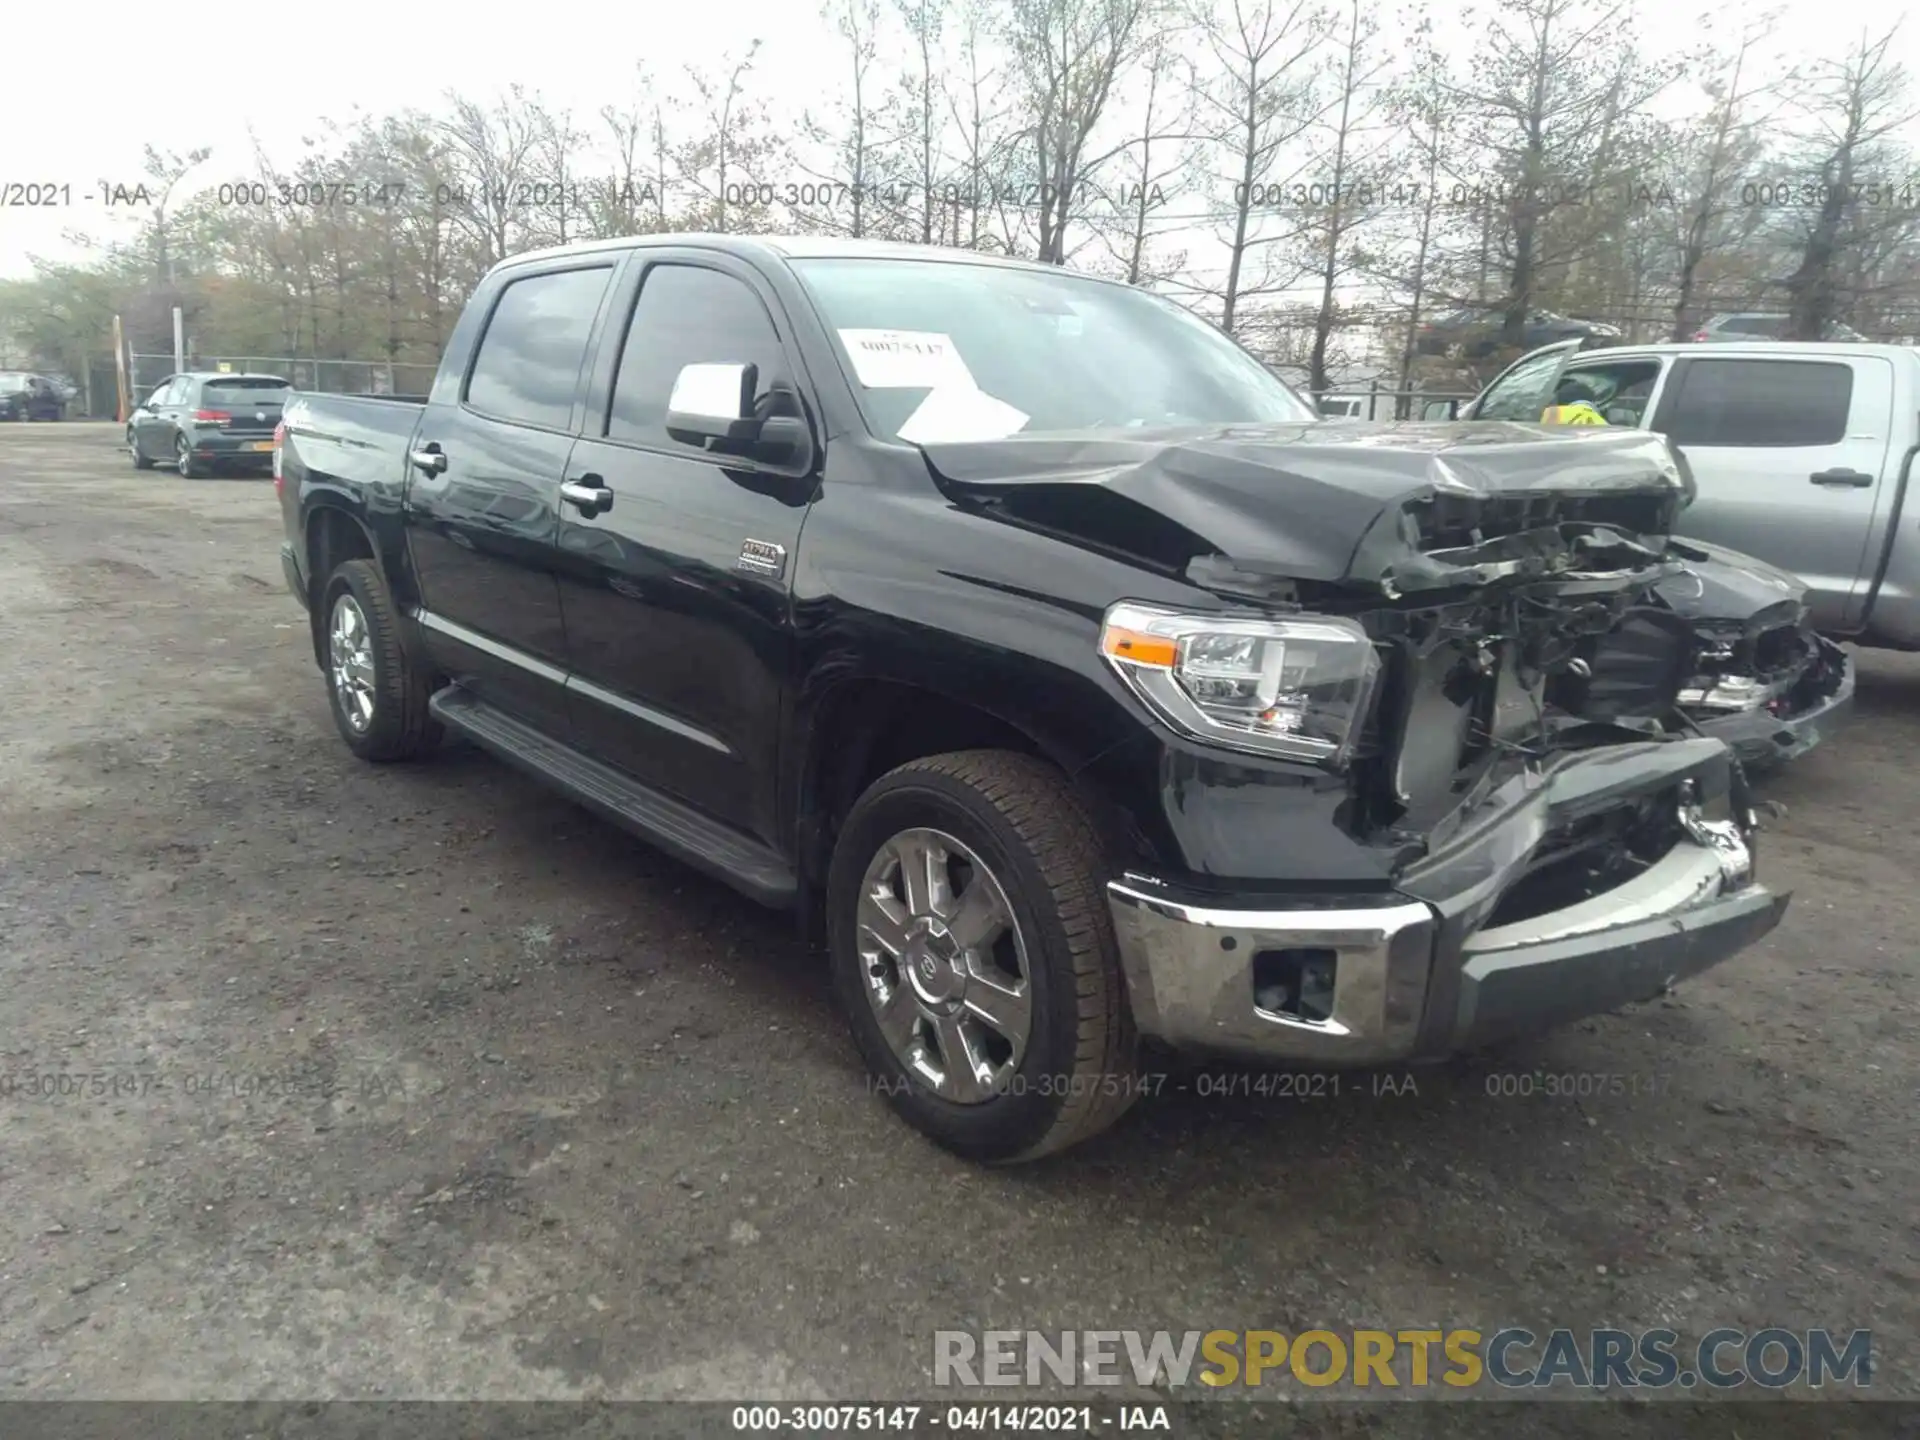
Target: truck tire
{"type": "Point", "coordinates": [1015, 866]}
{"type": "Point", "coordinates": [378, 698]}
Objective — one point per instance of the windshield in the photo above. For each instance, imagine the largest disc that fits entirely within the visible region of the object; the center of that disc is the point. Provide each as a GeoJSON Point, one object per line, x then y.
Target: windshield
{"type": "Point", "coordinates": [957, 351]}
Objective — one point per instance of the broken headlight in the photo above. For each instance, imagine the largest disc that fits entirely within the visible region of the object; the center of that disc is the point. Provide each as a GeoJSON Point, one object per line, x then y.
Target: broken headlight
{"type": "Point", "coordinates": [1296, 688]}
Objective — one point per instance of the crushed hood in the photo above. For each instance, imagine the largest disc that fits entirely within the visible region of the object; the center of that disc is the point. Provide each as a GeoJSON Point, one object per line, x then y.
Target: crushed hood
{"type": "Point", "coordinates": [1718, 584]}
{"type": "Point", "coordinates": [1328, 501]}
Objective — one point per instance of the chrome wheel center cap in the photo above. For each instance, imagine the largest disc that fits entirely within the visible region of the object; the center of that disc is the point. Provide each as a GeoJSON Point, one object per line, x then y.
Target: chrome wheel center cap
{"type": "Point", "coordinates": [932, 966]}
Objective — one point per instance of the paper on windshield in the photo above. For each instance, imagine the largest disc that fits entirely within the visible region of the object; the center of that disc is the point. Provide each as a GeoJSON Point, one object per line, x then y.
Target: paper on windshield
{"type": "Point", "coordinates": [905, 359]}
{"type": "Point", "coordinates": [957, 413]}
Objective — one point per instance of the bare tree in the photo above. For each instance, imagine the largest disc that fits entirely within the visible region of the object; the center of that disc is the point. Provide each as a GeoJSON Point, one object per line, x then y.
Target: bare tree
{"type": "Point", "coordinates": [633, 200]}
{"type": "Point", "coordinates": [1709, 157]}
{"type": "Point", "coordinates": [1421, 108]}
{"type": "Point", "coordinates": [555, 194]}
{"type": "Point", "coordinates": [854, 136]}
{"type": "Point", "coordinates": [1342, 198]}
{"type": "Point", "coordinates": [1553, 81]}
{"type": "Point", "coordinates": [981, 144]}
{"type": "Point", "coordinates": [1156, 169]}
{"type": "Point", "coordinates": [723, 165]}
{"type": "Point", "coordinates": [1853, 108]}
{"type": "Point", "coordinates": [1067, 56]}
{"type": "Point", "coordinates": [166, 169]}
{"type": "Point", "coordinates": [1261, 99]}
{"type": "Point", "coordinates": [491, 152]}
{"type": "Point", "coordinates": [923, 111]}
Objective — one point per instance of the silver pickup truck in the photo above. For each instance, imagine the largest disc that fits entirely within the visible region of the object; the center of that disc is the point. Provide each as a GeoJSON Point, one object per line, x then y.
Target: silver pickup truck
{"type": "Point", "coordinates": [1801, 451]}
{"type": "Point", "coordinates": [1801, 454]}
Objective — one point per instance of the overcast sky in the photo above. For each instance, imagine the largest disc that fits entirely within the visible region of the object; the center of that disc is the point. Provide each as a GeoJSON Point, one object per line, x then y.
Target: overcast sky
{"type": "Point", "coordinates": [93, 105]}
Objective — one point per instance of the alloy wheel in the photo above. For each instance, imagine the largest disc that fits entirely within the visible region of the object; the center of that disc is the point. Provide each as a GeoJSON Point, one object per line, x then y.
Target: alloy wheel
{"type": "Point", "coordinates": [350, 658]}
{"type": "Point", "coordinates": [945, 965]}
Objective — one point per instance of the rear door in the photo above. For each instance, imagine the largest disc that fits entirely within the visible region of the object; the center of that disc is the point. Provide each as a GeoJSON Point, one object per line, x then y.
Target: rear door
{"type": "Point", "coordinates": [1788, 453]}
{"type": "Point", "coordinates": [166, 424]}
{"type": "Point", "coordinates": [483, 517]}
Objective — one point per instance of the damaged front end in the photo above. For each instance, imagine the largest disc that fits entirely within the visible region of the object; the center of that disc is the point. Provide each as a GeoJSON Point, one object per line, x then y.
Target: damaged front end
{"type": "Point", "coordinates": [1764, 681]}
{"type": "Point", "coordinates": [1541, 844]}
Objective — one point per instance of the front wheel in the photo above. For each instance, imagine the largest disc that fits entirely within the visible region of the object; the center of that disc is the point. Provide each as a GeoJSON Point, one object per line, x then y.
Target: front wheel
{"type": "Point", "coordinates": [140, 461]}
{"type": "Point", "coordinates": [974, 955]}
{"type": "Point", "coordinates": [379, 697]}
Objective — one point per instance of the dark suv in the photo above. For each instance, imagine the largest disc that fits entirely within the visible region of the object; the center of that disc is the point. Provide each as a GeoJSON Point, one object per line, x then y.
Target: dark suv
{"type": "Point", "coordinates": [1474, 333]}
{"type": "Point", "coordinates": [199, 423]}
{"type": "Point", "coordinates": [26, 396]}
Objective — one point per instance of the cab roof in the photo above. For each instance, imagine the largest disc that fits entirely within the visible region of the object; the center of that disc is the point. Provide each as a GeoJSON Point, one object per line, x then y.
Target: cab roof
{"type": "Point", "coordinates": [794, 247]}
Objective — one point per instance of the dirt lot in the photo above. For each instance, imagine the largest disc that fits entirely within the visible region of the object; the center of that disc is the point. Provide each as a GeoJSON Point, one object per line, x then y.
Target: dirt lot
{"type": "Point", "coordinates": [421, 1083]}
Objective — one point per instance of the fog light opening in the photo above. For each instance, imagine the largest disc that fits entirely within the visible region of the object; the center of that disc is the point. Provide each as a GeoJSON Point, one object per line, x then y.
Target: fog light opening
{"type": "Point", "coordinates": [1295, 983]}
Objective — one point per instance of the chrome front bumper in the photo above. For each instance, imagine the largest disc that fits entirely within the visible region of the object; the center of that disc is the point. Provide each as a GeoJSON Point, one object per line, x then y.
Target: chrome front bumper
{"type": "Point", "coordinates": [1421, 978]}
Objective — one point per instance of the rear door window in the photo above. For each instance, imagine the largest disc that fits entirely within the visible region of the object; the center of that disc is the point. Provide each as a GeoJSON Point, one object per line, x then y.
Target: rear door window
{"type": "Point", "coordinates": [1760, 403]}
{"type": "Point", "coordinates": [527, 370]}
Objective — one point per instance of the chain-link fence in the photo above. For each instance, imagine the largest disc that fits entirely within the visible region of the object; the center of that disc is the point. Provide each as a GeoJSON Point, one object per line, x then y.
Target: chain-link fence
{"type": "Point", "coordinates": [1373, 402]}
{"type": "Point", "coordinates": [335, 377]}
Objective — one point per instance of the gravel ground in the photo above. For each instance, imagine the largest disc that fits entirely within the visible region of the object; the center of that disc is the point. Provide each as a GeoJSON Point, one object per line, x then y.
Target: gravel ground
{"type": "Point", "coordinates": [422, 1083]}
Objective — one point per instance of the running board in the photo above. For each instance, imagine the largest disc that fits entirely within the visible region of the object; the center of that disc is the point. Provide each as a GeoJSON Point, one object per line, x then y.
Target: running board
{"type": "Point", "coordinates": [681, 831]}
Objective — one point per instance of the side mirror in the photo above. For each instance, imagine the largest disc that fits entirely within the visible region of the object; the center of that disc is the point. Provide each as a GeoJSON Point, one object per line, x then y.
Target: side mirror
{"type": "Point", "coordinates": [714, 402]}
{"type": "Point", "coordinates": [714, 406]}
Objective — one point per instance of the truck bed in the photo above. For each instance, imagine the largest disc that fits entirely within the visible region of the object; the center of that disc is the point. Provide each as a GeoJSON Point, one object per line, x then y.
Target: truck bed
{"type": "Point", "coordinates": [354, 440]}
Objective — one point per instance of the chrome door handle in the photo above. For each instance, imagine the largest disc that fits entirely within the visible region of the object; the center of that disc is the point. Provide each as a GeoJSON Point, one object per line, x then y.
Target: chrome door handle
{"type": "Point", "coordinates": [587, 495]}
{"type": "Point", "coordinates": [431, 461]}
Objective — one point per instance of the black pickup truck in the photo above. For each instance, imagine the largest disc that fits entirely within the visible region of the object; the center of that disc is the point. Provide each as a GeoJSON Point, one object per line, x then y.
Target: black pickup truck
{"type": "Point", "coordinates": [1047, 655]}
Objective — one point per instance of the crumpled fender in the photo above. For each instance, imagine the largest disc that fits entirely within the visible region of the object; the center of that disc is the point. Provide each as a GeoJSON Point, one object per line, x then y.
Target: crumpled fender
{"type": "Point", "coordinates": [1716, 584]}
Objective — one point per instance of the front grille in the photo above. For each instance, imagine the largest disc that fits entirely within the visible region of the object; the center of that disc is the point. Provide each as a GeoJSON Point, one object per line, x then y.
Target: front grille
{"type": "Point", "coordinates": [1451, 522]}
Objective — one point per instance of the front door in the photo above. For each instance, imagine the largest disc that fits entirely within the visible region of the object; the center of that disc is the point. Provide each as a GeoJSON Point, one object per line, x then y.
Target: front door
{"type": "Point", "coordinates": [1525, 388]}
{"type": "Point", "coordinates": [483, 518]}
{"type": "Point", "coordinates": [676, 588]}
{"type": "Point", "coordinates": [153, 428]}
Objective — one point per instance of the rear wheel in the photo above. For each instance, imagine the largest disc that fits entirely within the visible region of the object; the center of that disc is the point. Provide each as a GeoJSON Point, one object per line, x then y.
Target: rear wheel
{"type": "Point", "coordinates": [974, 955]}
{"type": "Point", "coordinates": [379, 697]}
{"type": "Point", "coordinates": [190, 469]}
